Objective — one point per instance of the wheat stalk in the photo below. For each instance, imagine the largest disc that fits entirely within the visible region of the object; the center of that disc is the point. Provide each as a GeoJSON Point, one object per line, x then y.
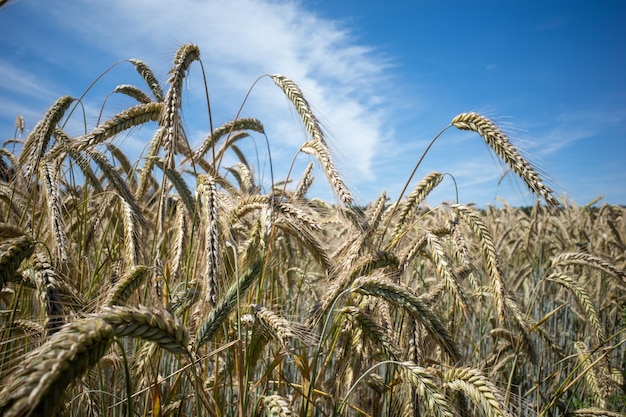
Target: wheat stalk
{"type": "Point", "coordinates": [501, 145]}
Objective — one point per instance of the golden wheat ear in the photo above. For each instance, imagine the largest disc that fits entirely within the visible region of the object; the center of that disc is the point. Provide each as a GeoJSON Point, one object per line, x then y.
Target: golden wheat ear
{"type": "Point", "coordinates": [499, 142]}
{"type": "Point", "coordinates": [39, 384]}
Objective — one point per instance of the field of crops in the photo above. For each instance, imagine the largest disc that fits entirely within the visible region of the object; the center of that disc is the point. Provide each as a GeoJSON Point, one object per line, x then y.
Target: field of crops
{"type": "Point", "coordinates": [175, 285]}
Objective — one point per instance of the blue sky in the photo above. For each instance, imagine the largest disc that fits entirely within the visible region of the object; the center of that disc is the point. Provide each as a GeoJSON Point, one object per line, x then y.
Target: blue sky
{"type": "Point", "coordinates": [383, 77]}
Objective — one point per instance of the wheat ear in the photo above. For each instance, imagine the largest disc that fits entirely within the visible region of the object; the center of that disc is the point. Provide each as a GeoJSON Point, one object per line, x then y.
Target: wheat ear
{"type": "Point", "coordinates": [478, 388]}
{"type": "Point", "coordinates": [305, 182]}
{"type": "Point", "coordinates": [273, 405]}
{"type": "Point", "coordinates": [292, 91]}
{"type": "Point", "coordinates": [55, 207]}
{"type": "Point", "coordinates": [596, 381]}
{"type": "Point", "coordinates": [134, 116]}
{"type": "Point", "coordinates": [366, 323]}
{"type": "Point", "coordinates": [583, 299]}
{"type": "Point", "coordinates": [142, 323]}
{"type": "Point", "coordinates": [226, 129]}
{"type": "Point", "coordinates": [207, 189]}
{"type": "Point", "coordinates": [424, 382]}
{"type": "Point", "coordinates": [134, 92]}
{"type": "Point", "coordinates": [422, 189]}
{"type": "Point", "coordinates": [12, 252]}
{"type": "Point", "coordinates": [596, 412]}
{"type": "Point", "coordinates": [217, 315]}
{"type": "Point", "coordinates": [501, 145]}
{"type": "Point", "coordinates": [49, 296]}
{"type": "Point", "coordinates": [591, 261]}
{"type": "Point", "coordinates": [445, 271]}
{"type": "Point", "coordinates": [37, 142]}
{"type": "Point", "coordinates": [490, 255]}
{"type": "Point", "coordinates": [404, 298]}
{"type": "Point", "coordinates": [320, 152]}
{"type": "Point", "coordinates": [170, 117]}
{"type": "Point", "coordinates": [278, 327]}
{"type": "Point", "coordinates": [148, 76]}
{"type": "Point", "coordinates": [37, 388]}
{"type": "Point", "coordinates": [126, 285]}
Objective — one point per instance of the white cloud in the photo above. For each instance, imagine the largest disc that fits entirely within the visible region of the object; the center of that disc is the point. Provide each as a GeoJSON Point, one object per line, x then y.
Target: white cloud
{"type": "Point", "coordinates": [240, 40]}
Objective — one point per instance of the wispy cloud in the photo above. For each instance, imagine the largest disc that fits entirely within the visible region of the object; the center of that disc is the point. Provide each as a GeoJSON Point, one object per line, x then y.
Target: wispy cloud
{"type": "Point", "coordinates": [243, 39]}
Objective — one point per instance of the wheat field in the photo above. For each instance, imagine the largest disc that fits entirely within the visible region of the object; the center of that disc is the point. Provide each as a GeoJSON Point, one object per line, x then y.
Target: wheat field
{"type": "Point", "coordinates": [175, 285]}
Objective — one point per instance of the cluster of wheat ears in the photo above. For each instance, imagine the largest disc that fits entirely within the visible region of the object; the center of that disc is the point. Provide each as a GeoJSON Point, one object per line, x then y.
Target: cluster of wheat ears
{"type": "Point", "coordinates": [126, 293]}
